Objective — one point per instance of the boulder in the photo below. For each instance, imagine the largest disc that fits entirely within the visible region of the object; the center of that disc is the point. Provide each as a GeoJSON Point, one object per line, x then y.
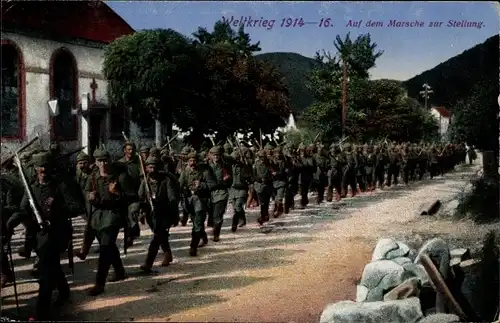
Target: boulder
{"type": "Point", "coordinates": [418, 271]}
{"type": "Point", "coordinates": [399, 311]}
{"type": "Point", "coordinates": [448, 209]}
{"type": "Point", "coordinates": [440, 318]}
{"type": "Point", "coordinates": [402, 261]}
{"type": "Point", "coordinates": [388, 248]}
{"type": "Point", "coordinates": [381, 276]}
{"type": "Point", "coordinates": [439, 252]}
{"type": "Point", "coordinates": [429, 208]}
{"type": "Point", "coordinates": [361, 293]}
{"type": "Point", "coordinates": [409, 288]}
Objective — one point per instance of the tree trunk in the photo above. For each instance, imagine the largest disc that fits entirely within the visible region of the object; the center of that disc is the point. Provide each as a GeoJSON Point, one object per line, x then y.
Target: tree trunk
{"type": "Point", "coordinates": [344, 97]}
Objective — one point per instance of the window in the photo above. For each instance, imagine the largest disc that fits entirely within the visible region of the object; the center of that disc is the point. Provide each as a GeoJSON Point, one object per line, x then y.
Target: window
{"type": "Point", "coordinates": [118, 122]}
{"type": "Point", "coordinates": [12, 90]}
{"type": "Point", "coordinates": [64, 82]}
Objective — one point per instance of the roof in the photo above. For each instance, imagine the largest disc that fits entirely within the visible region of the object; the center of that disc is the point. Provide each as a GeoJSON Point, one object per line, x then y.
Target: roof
{"type": "Point", "coordinates": [89, 20]}
{"type": "Point", "coordinates": [443, 112]}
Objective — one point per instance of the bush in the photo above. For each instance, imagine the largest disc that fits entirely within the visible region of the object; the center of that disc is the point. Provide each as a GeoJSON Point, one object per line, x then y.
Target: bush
{"type": "Point", "coordinates": [481, 204]}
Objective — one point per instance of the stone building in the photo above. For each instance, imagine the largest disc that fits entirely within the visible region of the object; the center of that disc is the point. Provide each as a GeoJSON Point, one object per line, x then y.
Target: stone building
{"type": "Point", "coordinates": [443, 117]}
{"type": "Point", "coordinates": [53, 50]}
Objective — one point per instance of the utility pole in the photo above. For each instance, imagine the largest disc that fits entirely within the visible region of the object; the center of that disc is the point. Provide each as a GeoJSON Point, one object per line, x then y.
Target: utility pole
{"type": "Point", "coordinates": [425, 93]}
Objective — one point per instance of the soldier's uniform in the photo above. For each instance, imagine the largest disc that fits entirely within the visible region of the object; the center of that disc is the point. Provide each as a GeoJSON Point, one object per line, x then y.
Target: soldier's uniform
{"type": "Point", "coordinates": [83, 174]}
{"type": "Point", "coordinates": [57, 206]}
{"type": "Point", "coordinates": [321, 174]}
{"type": "Point", "coordinates": [349, 171]}
{"type": "Point", "coordinates": [109, 214]}
{"type": "Point", "coordinates": [279, 174]}
{"type": "Point", "coordinates": [144, 152]}
{"type": "Point", "coordinates": [394, 166]}
{"type": "Point", "coordinates": [263, 185]}
{"type": "Point", "coordinates": [369, 167]}
{"type": "Point", "coordinates": [164, 192]}
{"type": "Point", "coordinates": [239, 190]}
{"type": "Point", "coordinates": [360, 172]}
{"type": "Point", "coordinates": [335, 173]}
{"type": "Point", "coordinates": [381, 160]}
{"type": "Point", "coordinates": [219, 192]}
{"type": "Point", "coordinates": [132, 167]}
{"type": "Point", "coordinates": [307, 168]}
{"type": "Point", "coordinates": [196, 184]}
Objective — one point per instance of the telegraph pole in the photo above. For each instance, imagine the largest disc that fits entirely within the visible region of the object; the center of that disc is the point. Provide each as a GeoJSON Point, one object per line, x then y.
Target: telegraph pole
{"type": "Point", "coordinates": [425, 93]}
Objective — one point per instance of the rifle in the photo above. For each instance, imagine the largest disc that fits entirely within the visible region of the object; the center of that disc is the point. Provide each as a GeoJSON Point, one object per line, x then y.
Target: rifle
{"type": "Point", "coordinates": [169, 141]}
{"type": "Point", "coordinates": [149, 195]}
{"type": "Point", "coordinates": [43, 224]}
{"type": "Point", "coordinates": [23, 147]}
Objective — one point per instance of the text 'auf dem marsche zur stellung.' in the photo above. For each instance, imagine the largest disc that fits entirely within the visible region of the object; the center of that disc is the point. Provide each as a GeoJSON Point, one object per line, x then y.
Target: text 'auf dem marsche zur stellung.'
{"type": "Point", "coordinates": [288, 22]}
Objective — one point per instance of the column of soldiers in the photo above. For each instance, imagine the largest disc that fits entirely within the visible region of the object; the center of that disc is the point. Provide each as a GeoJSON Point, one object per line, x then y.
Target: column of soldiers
{"type": "Point", "coordinates": [148, 186]}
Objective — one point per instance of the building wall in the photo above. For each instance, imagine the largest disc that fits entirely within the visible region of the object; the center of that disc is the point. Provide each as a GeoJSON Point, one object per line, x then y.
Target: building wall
{"type": "Point", "coordinates": [443, 123]}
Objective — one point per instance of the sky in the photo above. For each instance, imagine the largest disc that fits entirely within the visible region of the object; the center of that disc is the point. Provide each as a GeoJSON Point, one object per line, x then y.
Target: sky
{"type": "Point", "coordinates": [408, 50]}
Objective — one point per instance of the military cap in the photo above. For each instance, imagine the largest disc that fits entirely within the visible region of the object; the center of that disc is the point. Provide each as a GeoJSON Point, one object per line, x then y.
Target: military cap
{"type": "Point", "coordinates": [82, 157]}
{"type": "Point", "coordinates": [185, 150]}
{"type": "Point", "coordinates": [145, 149]}
{"type": "Point", "coordinates": [216, 150]}
{"type": "Point", "coordinates": [302, 146]}
{"type": "Point", "coordinates": [278, 150]}
{"type": "Point", "coordinates": [311, 146]}
{"type": "Point", "coordinates": [227, 146]}
{"type": "Point", "coordinates": [235, 154]}
{"type": "Point", "coordinates": [203, 154]}
{"type": "Point", "coordinates": [253, 148]}
{"type": "Point", "coordinates": [347, 145]}
{"type": "Point", "coordinates": [101, 154]}
{"type": "Point", "coordinates": [192, 155]}
{"type": "Point", "coordinates": [261, 153]}
{"type": "Point", "coordinates": [128, 143]}
{"type": "Point", "coordinates": [154, 151]}
{"type": "Point", "coordinates": [41, 159]}
{"type": "Point", "coordinates": [151, 161]}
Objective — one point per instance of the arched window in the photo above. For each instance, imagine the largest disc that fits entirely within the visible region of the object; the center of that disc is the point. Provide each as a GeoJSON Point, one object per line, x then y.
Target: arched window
{"type": "Point", "coordinates": [12, 124]}
{"type": "Point", "coordinates": [64, 88]}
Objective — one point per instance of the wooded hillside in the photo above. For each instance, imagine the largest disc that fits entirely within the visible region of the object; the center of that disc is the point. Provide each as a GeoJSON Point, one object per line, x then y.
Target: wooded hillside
{"type": "Point", "coordinates": [454, 79]}
{"type": "Point", "coordinates": [296, 70]}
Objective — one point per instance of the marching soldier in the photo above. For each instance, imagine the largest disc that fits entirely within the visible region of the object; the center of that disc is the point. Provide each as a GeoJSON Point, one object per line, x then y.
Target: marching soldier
{"type": "Point", "coordinates": [335, 173]}
{"type": "Point", "coordinates": [381, 159]}
{"type": "Point", "coordinates": [394, 164]}
{"type": "Point", "coordinates": [278, 172]}
{"type": "Point", "coordinates": [161, 194]}
{"type": "Point", "coordinates": [132, 167]}
{"type": "Point", "coordinates": [307, 167]}
{"type": "Point", "coordinates": [239, 190]}
{"type": "Point", "coordinates": [321, 174]}
{"type": "Point", "coordinates": [109, 192]}
{"type": "Point", "coordinates": [369, 167]}
{"type": "Point", "coordinates": [196, 184]}
{"type": "Point", "coordinates": [144, 152]}
{"type": "Point", "coordinates": [219, 192]}
{"type": "Point", "coordinates": [263, 185]}
{"type": "Point", "coordinates": [360, 171]}
{"type": "Point", "coordinates": [57, 207]}
{"type": "Point", "coordinates": [83, 172]}
{"type": "Point", "coordinates": [349, 171]}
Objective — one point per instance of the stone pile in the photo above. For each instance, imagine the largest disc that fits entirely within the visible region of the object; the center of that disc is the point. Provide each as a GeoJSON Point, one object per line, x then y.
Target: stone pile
{"type": "Point", "coordinates": [395, 286]}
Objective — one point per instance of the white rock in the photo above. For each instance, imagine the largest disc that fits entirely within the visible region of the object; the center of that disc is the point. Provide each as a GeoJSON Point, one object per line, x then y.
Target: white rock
{"type": "Point", "coordinates": [440, 318]}
{"type": "Point", "coordinates": [438, 250]}
{"type": "Point", "coordinates": [400, 311]}
{"type": "Point", "coordinates": [381, 276]}
{"type": "Point", "coordinates": [402, 260]}
{"type": "Point", "coordinates": [388, 248]}
{"type": "Point", "coordinates": [361, 293]}
{"type": "Point", "coordinates": [383, 247]}
{"type": "Point", "coordinates": [418, 271]}
{"type": "Point", "coordinates": [448, 209]}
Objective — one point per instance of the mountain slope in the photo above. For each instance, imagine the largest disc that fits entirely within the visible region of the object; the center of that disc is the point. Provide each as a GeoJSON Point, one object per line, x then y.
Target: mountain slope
{"type": "Point", "coordinates": [454, 79]}
{"type": "Point", "coordinates": [296, 69]}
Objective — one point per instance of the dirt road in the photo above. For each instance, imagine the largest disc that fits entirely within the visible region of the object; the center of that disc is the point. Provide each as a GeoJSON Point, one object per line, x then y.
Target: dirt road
{"type": "Point", "coordinates": [287, 271]}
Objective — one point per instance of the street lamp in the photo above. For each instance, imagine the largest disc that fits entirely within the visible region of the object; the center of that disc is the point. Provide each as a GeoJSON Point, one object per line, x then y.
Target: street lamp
{"type": "Point", "coordinates": [425, 93]}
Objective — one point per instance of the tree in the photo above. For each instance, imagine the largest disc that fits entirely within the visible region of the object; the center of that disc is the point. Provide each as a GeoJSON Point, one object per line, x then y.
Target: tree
{"type": "Point", "coordinates": [154, 73]}
{"type": "Point", "coordinates": [224, 34]}
{"type": "Point", "coordinates": [475, 120]}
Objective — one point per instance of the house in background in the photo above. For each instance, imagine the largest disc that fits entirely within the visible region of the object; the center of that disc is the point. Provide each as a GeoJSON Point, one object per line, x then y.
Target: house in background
{"type": "Point", "coordinates": [443, 116]}
{"type": "Point", "coordinates": [54, 50]}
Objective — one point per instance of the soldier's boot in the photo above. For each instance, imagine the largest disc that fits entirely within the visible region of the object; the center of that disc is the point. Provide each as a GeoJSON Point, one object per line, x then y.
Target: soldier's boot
{"type": "Point", "coordinates": [203, 241]}
{"type": "Point", "coordinates": [195, 240]}
{"type": "Point", "coordinates": [34, 271]}
{"type": "Point", "coordinates": [167, 255]}
{"type": "Point", "coordinates": [25, 250]}
{"type": "Point", "coordinates": [96, 290]}
{"type": "Point", "coordinates": [280, 209]}
{"type": "Point", "coordinates": [286, 208]}
{"type": "Point", "coordinates": [216, 232]}
{"type": "Point", "coordinates": [337, 196]}
{"type": "Point", "coordinates": [242, 219]}
{"type": "Point", "coordinates": [210, 220]}
{"type": "Point", "coordinates": [234, 222]}
{"type": "Point", "coordinates": [184, 219]}
{"type": "Point", "coordinates": [148, 262]}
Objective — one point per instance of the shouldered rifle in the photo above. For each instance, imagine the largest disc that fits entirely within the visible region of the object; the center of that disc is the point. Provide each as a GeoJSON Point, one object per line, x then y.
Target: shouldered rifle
{"type": "Point", "coordinates": [43, 224]}
{"type": "Point", "coordinates": [149, 196]}
{"type": "Point", "coordinates": [23, 147]}
{"type": "Point", "coordinates": [169, 142]}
